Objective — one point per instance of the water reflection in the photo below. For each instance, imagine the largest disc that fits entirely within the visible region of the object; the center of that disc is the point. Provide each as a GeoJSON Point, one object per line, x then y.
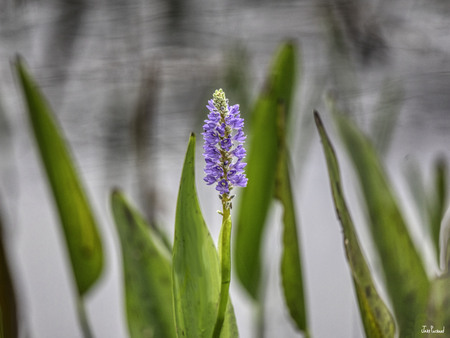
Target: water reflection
{"type": "Point", "coordinates": [129, 79]}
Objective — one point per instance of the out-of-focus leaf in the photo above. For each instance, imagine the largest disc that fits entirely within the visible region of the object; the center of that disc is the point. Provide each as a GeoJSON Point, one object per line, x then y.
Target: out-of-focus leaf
{"type": "Point", "coordinates": [431, 202]}
{"type": "Point", "coordinates": [291, 265]}
{"type": "Point", "coordinates": [282, 76]}
{"type": "Point", "coordinates": [377, 319]}
{"type": "Point", "coordinates": [261, 168]}
{"type": "Point", "coordinates": [77, 219]}
{"type": "Point", "coordinates": [256, 197]}
{"type": "Point", "coordinates": [437, 204]}
{"type": "Point", "coordinates": [446, 250]}
{"type": "Point", "coordinates": [147, 273]}
{"type": "Point", "coordinates": [8, 307]}
{"type": "Point", "coordinates": [438, 310]}
{"type": "Point", "coordinates": [406, 280]}
{"type": "Point", "coordinates": [195, 269]}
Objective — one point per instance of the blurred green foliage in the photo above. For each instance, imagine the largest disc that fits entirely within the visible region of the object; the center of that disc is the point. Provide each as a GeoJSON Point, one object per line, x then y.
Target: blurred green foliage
{"type": "Point", "coordinates": [176, 292]}
{"type": "Point", "coordinates": [77, 219]}
{"type": "Point", "coordinates": [147, 272]}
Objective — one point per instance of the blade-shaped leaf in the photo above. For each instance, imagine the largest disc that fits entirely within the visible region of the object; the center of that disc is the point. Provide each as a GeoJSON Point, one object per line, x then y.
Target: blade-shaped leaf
{"type": "Point", "coordinates": [196, 271]}
{"type": "Point", "coordinates": [77, 219]}
{"type": "Point", "coordinates": [377, 319]}
{"type": "Point", "coordinates": [291, 267]}
{"type": "Point", "coordinates": [446, 249]}
{"type": "Point", "coordinates": [405, 276]}
{"type": "Point", "coordinates": [283, 75]}
{"type": "Point", "coordinates": [147, 273]}
{"type": "Point", "coordinates": [256, 197]}
{"type": "Point", "coordinates": [9, 326]}
{"type": "Point", "coordinates": [261, 168]}
{"type": "Point", "coordinates": [438, 203]}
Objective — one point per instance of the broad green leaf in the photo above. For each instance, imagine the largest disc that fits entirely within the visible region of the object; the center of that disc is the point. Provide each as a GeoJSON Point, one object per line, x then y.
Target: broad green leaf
{"type": "Point", "coordinates": [438, 310]}
{"type": "Point", "coordinates": [9, 326]}
{"type": "Point", "coordinates": [261, 169]}
{"type": "Point", "coordinates": [291, 267]}
{"type": "Point", "coordinates": [77, 219]}
{"type": "Point", "coordinates": [406, 280]}
{"type": "Point", "coordinates": [377, 319]}
{"type": "Point", "coordinates": [195, 269]}
{"type": "Point", "coordinates": [257, 196]}
{"type": "Point", "coordinates": [147, 273]}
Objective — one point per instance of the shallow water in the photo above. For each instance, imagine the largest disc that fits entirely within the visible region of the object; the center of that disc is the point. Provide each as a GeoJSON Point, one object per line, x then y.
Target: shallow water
{"type": "Point", "coordinates": [90, 59]}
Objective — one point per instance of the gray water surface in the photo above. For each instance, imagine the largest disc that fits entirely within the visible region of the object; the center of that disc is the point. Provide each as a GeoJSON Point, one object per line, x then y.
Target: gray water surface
{"type": "Point", "coordinates": [91, 58]}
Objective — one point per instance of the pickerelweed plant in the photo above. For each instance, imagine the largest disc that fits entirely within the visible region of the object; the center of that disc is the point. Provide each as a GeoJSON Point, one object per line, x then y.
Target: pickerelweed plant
{"type": "Point", "coordinates": [224, 151]}
{"type": "Point", "coordinates": [182, 290]}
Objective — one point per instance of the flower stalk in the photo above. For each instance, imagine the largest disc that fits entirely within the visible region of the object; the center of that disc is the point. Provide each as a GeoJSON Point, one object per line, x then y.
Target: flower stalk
{"type": "Point", "coordinates": [224, 151]}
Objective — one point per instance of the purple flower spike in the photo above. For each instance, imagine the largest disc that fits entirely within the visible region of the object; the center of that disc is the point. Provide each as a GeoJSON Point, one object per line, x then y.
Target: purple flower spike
{"type": "Point", "coordinates": [223, 149]}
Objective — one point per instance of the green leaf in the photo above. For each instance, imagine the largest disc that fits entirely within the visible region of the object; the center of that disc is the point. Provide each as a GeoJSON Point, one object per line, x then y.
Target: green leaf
{"type": "Point", "coordinates": [9, 327]}
{"type": "Point", "coordinates": [438, 309]}
{"type": "Point", "coordinates": [282, 76]}
{"type": "Point", "coordinates": [446, 249]}
{"type": "Point", "coordinates": [77, 219]}
{"type": "Point", "coordinates": [406, 280]}
{"type": "Point", "coordinates": [196, 270]}
{"type": "Point", "coordinates": [291, 267]}
{"type": "Point", "coordinates": [377, 319]}
{"type": "Point", "coordinates": [147, 273]}
{"type": "Point", "coordinates": [261, 169]}
{"type": "Point", "coordinates": [430, 203]}
{"type": "Point", "coordinates": [257, 196]}
{"type": "Point", "coordinates": [438, 203]}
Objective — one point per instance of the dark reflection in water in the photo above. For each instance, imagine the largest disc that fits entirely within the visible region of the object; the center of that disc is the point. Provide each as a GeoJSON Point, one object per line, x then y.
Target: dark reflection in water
{"type": "Point", "coordinates": [128, 81]}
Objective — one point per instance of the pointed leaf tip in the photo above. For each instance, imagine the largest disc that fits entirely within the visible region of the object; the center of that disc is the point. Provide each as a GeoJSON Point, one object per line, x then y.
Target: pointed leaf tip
{"type": "Point", "coordinates": [78, 223]}
{"type": "Point", "coordinates": [195, 269]}
{"type": "Point", "coordinates": [377, 320]}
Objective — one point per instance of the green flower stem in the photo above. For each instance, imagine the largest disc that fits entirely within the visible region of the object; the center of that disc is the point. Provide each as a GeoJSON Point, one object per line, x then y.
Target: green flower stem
{"type": "Point", "coordinates": [225, 264]}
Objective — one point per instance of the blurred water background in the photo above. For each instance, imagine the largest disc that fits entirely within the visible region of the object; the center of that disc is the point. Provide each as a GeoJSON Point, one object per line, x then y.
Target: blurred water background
{"type": "Point", "coordinates": [129, 81]}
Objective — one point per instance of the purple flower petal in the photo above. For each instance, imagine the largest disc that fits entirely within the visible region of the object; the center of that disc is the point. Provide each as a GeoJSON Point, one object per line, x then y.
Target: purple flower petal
{"type": "Point", "coordinates": [210, 179]}
{"type": "Point", "coordinates": [222, 187]}
{"type": "Point", "coordinates": [239, 152]}
{"type": "Point", "coordinates": [234, 110]}
{"type": "Point", "coordinates": [239, 180]}
{"type": "Point", "coordinates": [240, 137]}
{"type": "Point", "coordinates": [226, 144]}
